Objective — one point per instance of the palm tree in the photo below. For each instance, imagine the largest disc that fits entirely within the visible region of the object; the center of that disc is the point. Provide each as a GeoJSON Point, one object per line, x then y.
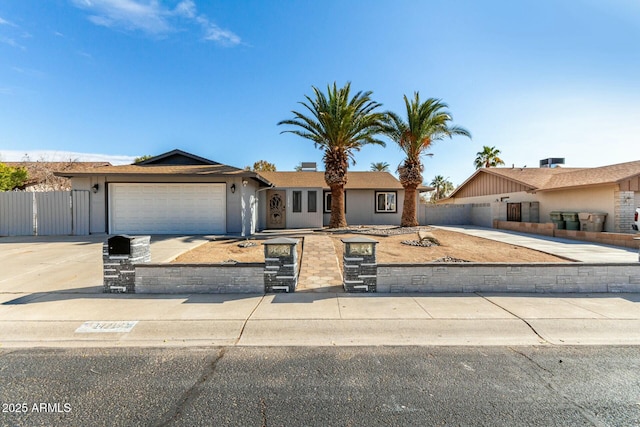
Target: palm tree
{"type": "Point", "coordinates": [427, 122]}
{"type": "Point", "coordinates": [488, 158]}
{"type": "Point", "coordinates": [339, 125]}
{"type": "Point", "coordinates": [442, 187]}
{"type": "Point", "coordinates": [380, 167]}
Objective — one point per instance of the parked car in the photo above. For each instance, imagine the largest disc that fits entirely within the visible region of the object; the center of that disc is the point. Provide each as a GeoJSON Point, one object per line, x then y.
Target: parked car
{"type": "Point", "coordinates": [636, 220]}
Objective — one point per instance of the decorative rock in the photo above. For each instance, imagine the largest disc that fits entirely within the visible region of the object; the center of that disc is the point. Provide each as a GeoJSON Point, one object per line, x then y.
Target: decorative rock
{"type": "Point", "coordinates": [449, 259]}
{"type": "Point", "coordinates": [247, 244]}
{"type": "Point", "coordinates": [422, 243]}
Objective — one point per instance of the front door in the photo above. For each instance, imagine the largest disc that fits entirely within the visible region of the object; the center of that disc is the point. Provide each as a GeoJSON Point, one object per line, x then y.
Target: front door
{"type": "Point", "coordinates": [514, 211]}
{"type": "Point", "coordinates": [276, 209]}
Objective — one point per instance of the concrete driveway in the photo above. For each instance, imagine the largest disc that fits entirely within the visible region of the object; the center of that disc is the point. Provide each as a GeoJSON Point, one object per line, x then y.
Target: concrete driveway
{"type": "Point", "coordinates": [33, 264]}
{"type": "Point", "coordinates": [576, 250]}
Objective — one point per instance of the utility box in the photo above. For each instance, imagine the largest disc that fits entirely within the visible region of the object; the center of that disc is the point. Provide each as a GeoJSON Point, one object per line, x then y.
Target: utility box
{"type": "Point", "coordinates": [281, 265]}
{"type": "Point", "coordinates": [120, 254]}
{"type": "Point", "coordinates": [360, 266]}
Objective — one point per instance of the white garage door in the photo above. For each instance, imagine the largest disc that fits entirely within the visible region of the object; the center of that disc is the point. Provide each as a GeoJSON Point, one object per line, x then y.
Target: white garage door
{"type": "Point", "coordinates": [167, 208]}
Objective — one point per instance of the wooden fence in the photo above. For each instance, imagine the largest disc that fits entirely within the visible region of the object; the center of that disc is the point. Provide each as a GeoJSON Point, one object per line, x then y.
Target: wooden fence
{"type": "Point", "coordinates": [44, 213]}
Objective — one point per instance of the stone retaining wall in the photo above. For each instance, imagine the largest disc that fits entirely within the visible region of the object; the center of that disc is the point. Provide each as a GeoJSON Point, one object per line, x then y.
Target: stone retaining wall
{"type": "Point", "coordinates": [501, 277]}
{"type": "Point", "coordinates": [241, 278]}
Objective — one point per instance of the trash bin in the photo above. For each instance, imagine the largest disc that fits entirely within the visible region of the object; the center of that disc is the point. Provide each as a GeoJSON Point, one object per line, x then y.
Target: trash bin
{"type": "Point", "coordinates": [592, 221]}
{"type": "Point", "coordinates": [596, 221]}
{"type": "Point", "coordinates": [556, 218]}
{"type": "Point", "coordinates": [120, 254]}
{"type": "Point", "coordinates": [571, 220]}
{"type": "Point", "coordinates": [583, 217]}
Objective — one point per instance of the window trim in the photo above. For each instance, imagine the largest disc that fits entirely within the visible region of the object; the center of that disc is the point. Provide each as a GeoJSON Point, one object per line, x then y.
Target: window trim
{"type": "Point", "coordinates": [294, 208]}
{"type": "Point", "coordinates": [395, 206]}
{"type": "Point", "coordinates": [327, 206]}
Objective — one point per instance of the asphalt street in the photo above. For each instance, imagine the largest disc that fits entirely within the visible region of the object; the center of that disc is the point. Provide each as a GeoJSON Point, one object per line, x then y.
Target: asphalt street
{"type": "Point", "coordinates": [347, 386]}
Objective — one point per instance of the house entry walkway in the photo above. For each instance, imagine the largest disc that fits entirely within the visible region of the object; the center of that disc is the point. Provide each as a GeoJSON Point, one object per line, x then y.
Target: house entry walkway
{"type": "Point", "coordinates": [319, 270]}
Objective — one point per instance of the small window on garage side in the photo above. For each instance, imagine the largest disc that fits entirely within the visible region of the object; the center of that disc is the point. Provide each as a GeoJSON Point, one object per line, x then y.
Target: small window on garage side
{"type": "Point", "coordinates": [312, 200]}
{"type": "Point", "coordinates": [297, 201]}
{"type": "Point", "coordinates": [386, 202]}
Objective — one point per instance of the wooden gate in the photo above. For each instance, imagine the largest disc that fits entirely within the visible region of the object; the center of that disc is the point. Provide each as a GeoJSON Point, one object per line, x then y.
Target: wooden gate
{"type": "Point", "coordinates": [514, 212]}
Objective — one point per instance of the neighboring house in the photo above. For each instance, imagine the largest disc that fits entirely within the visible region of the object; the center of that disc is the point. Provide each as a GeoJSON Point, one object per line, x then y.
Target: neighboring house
{"type": "Point", "coordinates": [614, 190]}
{"type": "Point", "coordinates": [181, 193]}
{"type": "Point", "coordinates": [303, 199]}
{"type": "Point", "coordinates": [173, 193]}
{"type": "Point", "coordinates": [41, 175]}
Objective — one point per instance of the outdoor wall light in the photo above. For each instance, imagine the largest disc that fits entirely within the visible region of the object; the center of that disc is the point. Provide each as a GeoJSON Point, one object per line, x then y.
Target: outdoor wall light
{"type": "Point", "coordinates": [244, 182]}
{"type": "Point", "coordinates": [95, 188]}
{"type": "Point", "coordinates": [233, 188]}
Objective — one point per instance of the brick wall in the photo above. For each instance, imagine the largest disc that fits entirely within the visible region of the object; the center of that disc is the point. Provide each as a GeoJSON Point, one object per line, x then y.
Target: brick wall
{"type": "Point", "coordinates": [538, 278]}
{"type": "Point", "coordinates": [200, 278]}
{"type": "Point", "coordinates": [623, 213]}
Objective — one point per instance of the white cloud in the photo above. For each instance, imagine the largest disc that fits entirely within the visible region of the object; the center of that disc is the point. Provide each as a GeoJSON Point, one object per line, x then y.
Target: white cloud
{"type": "Point", "coordinates": [11, 42]}
{"type": "Point", "coordinates": [148, 16]}
{"type": "Point", "coordinates": [5, 22]}
{"type": "Point", "coordinates": [59, 156]}
{"type": "Point", "coordinates": [186, 8]}
{"type": "Point", "coordinates": [151, 17]}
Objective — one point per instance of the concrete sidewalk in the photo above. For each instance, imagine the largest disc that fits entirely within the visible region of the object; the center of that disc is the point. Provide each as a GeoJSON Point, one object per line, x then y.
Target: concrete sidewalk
{"type": "Point", "coordinates": [572, 249]}
{"type": "Point", "coordinates": [317, 319]}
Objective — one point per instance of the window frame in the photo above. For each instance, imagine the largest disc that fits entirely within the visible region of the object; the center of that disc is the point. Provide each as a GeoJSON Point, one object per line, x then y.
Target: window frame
{"type": "Point", "coordinates": [296, 208]}
{"type": "Point", "coordinates": [395, 203]}
{"type": "Point", "coordinates": [327, 206]}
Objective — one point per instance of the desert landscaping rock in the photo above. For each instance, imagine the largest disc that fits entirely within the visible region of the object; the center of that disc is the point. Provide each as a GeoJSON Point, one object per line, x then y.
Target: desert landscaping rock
{"type": "Point", "coordinates": [423, 243]}
{"type": "Point", "coordinates": [449, 259]}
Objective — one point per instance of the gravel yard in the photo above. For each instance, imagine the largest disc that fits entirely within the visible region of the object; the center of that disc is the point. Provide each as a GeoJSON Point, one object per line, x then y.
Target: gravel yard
{"type": "Point", "coordinates": [390, 249]}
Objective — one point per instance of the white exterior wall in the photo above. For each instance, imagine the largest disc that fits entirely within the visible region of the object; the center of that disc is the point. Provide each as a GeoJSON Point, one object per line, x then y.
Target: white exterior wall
{"type": "Point", "coordinates": [97, 202]}
{"type": "Point", "coordinates": [361, 208]}
{"type": "Point", "coordinates": [592, 199]}
{"type": "Point", "coordinates": [304, 219]}
{"type": "Point", "coordinates": [249, 206]}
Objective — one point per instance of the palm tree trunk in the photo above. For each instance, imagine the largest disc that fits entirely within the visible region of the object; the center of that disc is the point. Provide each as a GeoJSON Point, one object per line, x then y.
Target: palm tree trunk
{"type": "Point", "coordinates": [409, 215]}
{"type": "Point", "coordinates": [338, 218]}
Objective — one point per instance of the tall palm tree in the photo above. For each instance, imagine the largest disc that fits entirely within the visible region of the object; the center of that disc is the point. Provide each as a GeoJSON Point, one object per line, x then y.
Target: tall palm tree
{"type": "Point", "coordinates": [339, 125]}
{"type": "Point", "coordinates": [427, 122]}
{"type": "Point", "coordinates": [380, 167]}
{"type": "Point", "coordinates": [488, 158]}
{"type": "Point", "coordinates": [442, 187]}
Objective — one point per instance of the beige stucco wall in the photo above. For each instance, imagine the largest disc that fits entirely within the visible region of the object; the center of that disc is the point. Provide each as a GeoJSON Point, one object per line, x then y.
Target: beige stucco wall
{"type": "Point", "coordinates": [592, 199]}
{"type": "Point", "coordinates": [521, 196]}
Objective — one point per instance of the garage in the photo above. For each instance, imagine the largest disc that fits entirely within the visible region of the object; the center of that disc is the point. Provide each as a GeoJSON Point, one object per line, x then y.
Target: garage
{"type": "Point", "coordinates": [153, 208]}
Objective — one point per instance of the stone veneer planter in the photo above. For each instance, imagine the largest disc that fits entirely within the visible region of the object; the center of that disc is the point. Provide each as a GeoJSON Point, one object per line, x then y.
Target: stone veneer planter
{"type": "Point", "coordinates": [239, 278]}
{"type": "Point", "coordinates": [504, 277]}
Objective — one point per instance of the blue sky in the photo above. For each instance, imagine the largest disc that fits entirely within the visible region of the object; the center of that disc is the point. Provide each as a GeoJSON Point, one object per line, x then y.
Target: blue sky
{"type": "Point", "coordinates": [93, 79]}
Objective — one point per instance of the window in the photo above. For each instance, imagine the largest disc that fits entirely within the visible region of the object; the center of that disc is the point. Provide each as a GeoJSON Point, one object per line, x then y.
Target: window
{"type": "Point", "coordinates": [312, 200]}
{"type": "Point", "coordinates": [386, 201]}
{"type": "Point", "coordinates": [327, 202]}
{"type": "Point", "coordinates": [297, 201]}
